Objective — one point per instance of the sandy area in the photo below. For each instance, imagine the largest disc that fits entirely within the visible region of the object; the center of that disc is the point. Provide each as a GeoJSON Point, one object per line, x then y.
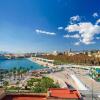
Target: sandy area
{"type": "Point", "coordinates": [35, 59]}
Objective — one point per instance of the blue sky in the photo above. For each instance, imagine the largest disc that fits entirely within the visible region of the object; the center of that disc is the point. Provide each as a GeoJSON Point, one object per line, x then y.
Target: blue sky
{"type": "Point", "coordinates": [48, 25]}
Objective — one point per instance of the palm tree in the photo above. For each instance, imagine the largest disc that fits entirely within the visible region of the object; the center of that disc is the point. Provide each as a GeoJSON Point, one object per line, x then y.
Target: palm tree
{"type": "Point", "coordinates": [23, 71]}
{"type": "Point", "coordinates": [1, 78]}
{"type": "Point", "coordinates": [18, 73]}
{"type": "Point", "coordinates": [20, 69]}
{"type": "Point", "coordinates": [10, 73]}
{"type": "Point", "coordinates": [14, 70]}
{"type": "Point", "coordinates": [17, 84]}
{"type": "Point", "coordinates": [28, 69]}
{"type": "Point", "coordinates": [5, 84]}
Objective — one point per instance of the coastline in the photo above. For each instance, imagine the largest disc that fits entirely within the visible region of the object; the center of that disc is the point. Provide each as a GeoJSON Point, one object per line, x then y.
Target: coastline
{"type": "Point", "coordinates": [32, 60]}
{"type": "Point", "coordinates": [42, 63]}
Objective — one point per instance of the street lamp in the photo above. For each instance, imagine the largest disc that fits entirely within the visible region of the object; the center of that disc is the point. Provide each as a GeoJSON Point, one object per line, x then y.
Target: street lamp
{"type": "Point", "coordinates": [92, 81]}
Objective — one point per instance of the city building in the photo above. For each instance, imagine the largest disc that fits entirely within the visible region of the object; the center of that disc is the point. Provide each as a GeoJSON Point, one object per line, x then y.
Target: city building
{"type": "Point", "coordinates": [94, 54]}
{"type": "Point", "coordinates": [55, 53]}
{"type": "Point", "coordinates": [97, 55]}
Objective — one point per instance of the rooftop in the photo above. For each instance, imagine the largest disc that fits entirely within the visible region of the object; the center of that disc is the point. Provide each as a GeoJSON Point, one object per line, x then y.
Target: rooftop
{"type": "Point", "coordinates": [64, 93]}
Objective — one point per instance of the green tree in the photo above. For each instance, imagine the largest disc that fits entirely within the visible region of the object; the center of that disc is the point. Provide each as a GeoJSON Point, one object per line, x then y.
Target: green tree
{"type": "Point", "coordinates": [30, 83]}
{"type": "Point", "coordinates": [39, 89]}
{"type": "Point", "coordinates": [41, 85]}
{"type": "Point", "coordinates": [5, 84]}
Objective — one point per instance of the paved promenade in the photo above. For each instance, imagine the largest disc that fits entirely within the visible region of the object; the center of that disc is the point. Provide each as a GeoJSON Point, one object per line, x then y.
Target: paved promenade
{"type": "Point", "coordinates": [79, 84]}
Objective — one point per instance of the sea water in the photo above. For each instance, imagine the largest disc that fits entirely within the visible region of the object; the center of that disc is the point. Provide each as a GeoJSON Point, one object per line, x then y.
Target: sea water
{"type": "Point", "coordinates": [21, 62]}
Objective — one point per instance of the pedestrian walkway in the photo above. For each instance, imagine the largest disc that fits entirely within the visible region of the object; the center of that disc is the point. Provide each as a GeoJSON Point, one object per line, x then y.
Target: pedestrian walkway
{"type": "Point", "coordinates": [79, 84]}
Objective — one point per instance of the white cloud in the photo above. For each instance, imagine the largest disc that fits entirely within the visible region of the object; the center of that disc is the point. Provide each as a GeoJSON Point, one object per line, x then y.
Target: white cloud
{"type": "Point", "coordinates": [98, 38]}
{"type": "Point", "coordinates": [98, 21]}
{"type": "Point", "coordinates": [60, 28]}
{"type": "Point", "coordinates": [77, 43]}
{"type": "Point", "coordinates": [95, 14]}
{"type": "Point", "coordinates": [86, 30]}
{"type": "Point", "coordinates": [74, 18]}
{"type": "Point", "coordinates": [72, 28]}
{"type": "Point", "coordinates": [72, 36]}
{"type": "Point", "coordinates": [45, 32]}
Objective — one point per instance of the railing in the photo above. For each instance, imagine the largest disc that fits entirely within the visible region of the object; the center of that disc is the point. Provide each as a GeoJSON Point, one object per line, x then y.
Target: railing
{"type": "Point", "coordinates": [23, 92]}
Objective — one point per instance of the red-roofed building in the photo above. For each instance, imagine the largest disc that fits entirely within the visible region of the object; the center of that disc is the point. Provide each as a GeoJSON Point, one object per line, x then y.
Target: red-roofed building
{"type": "Point", "coordinates": [52, 94]}
{"type": "Point", "coordinates": [63, 93]}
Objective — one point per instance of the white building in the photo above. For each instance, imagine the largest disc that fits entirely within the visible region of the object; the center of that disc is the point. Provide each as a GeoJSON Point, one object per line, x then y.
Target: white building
{"type": "Point", "coordinates": [55, 53]}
